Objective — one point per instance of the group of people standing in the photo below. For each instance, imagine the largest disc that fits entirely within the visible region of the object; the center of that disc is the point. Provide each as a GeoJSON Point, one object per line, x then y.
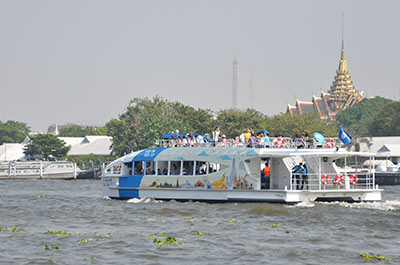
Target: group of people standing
{"type": "Point", "coordinates": [248, 137]}
{"type": "Point", "coordinates": [300, 176]}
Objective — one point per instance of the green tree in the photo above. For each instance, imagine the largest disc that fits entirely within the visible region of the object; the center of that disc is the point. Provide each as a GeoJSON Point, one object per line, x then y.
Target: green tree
{"type": "Point", "coordinates": [357, 118]}
{"type": "Point", "coordinates": [74, 130]}
{"type": "Point", "coordinates": [386, 122]}
{"type": "Point", "coordinates": [285, 125]}
{"type": "Point", "coordinates": [46, 146]}
{"type": "Point", "coordinates": [145, 120]}
{"type": "Point", "coordinates": [234, 122]}
{"type": "Point", "coordinates": [13, 132]}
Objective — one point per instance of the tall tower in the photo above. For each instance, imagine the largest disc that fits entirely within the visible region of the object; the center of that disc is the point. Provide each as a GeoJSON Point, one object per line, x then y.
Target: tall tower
{"type": "Point", "coordinates": [235, 82]}
{"type": "Point", "coordinates": [343, 92]}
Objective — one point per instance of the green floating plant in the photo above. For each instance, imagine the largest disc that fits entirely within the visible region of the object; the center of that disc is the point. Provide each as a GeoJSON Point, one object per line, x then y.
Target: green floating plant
{"type": "Point", "coordinates": [89, 259]}
{"type": "Point", "coordinates": [369, 256]}
{"type": "Point", "coordinates": [51, 247]}
{"type": "Point", "coordinates": [11, 229]}
{"type": "Point", "coordinates": [83, 241]}
{"type": "Point", "coordinates": [232, 220]}
{"type": "Point", "coordinates": [164, 240]}
{"type": "Point", "coordinates": [57, 232]}
{"type": "Point", "coordinates": [197, 233]}
{"type": "Point", "coordinates": [189, 219]}
{"type": "Point", "coordinates": [276, 225]}
{"type": "Point", "coordinates": [43, 196]}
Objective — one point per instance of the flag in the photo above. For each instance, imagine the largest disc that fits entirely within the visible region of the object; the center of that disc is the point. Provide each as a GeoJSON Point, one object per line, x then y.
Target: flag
{"type": "Point", "coordinates": [344, 137]}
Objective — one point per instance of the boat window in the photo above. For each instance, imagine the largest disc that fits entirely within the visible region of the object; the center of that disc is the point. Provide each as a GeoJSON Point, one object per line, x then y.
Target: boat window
{"type": "Point", "coordinates": [117, 169]}
{"type": "Point", "coordinates": [138, 168]}
{"type": "Point", "coordinates": [162, 168]}
{"type": "Point", "coordinates": [201, 167]}
{"type": "Point", "coordinates": [188, 168]}
{"type": "Point", "coordinates": [128, 167]}
{"type": "Point", "coordinates": [150, 168]}
{"type": "Point", "coordinates": [214, 167]}
{"type": "Point", "coordinates": [175, 168]}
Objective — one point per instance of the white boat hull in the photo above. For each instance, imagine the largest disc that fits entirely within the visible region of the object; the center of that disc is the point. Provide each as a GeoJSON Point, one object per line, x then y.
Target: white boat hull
{"type": "Point", "coordinates": [242, 195]}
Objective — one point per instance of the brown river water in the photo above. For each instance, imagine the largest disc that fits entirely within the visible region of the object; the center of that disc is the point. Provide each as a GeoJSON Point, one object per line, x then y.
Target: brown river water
{"type": "Point", "coordinates": [69, 222]}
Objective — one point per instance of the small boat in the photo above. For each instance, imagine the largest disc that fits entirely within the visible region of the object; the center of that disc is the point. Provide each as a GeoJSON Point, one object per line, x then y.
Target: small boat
{"type": "Point", "coordinates": [232, 172]}
{"type": "Point", "coordinates": [38, 169]}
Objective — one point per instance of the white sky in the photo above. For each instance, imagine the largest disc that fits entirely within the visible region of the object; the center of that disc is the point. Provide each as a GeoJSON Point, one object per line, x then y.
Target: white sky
{"type": "Point", "coordinates": [82, 61]}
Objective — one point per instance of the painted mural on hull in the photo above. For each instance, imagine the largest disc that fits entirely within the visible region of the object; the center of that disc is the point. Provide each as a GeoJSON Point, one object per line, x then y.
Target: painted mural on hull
{"type": "Point", "coordinates": [186, 168]}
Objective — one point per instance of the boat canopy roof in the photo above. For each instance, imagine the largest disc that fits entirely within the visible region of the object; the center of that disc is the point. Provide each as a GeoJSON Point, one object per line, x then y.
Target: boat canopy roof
{"type": "Point", "coordinates": [227, 153]}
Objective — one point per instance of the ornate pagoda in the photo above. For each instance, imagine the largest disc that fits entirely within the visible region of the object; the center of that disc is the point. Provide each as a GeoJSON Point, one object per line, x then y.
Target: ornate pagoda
{"type": "Point", "coordinates": [342, 94]}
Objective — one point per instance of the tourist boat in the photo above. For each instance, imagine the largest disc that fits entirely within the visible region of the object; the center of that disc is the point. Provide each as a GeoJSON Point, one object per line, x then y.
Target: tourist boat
{"type": "Point", "coordinates": [232, 172]}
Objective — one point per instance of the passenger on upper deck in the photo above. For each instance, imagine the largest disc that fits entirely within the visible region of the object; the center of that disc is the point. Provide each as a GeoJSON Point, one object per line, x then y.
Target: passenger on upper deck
{"type": "Point", "coordinates": [184, 141]}
{"type": "Point", "coordinates": [299, 142]}
{"type": "Point", "coordinates": [309, 142]}
{"type": "Point", "coordinates": [215, 135]}
{"type": "Point", "coordinates": [252, 141]}
{"type": "Point", "coordinates": [172, 141]}
{"type": "Point", "coordinates": [242, 138]}
{"type": "Point", "coordinates": [247, 134]}
{"type": "Point", "coordinates": [179, 140]}
{"type": "Point", "coordinates": [266, 140]}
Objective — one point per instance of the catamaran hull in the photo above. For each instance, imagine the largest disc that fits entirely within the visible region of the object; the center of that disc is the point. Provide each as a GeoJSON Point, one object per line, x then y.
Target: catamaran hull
{"type": "Point", "coordinates": [243, 195]}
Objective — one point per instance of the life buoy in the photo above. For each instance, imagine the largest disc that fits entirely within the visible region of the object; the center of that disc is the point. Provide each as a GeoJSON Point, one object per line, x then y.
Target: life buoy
{"type": "Point", "coordinates": [324, 179]}
{"type": "Point", "coordinates": [339, 180]}
{"type": "Point", "coordinates": [279, 142]}
{"type": "Point", "coordinates": [353, 179]}
{"type": "Point", "coordinates": [330, 143]}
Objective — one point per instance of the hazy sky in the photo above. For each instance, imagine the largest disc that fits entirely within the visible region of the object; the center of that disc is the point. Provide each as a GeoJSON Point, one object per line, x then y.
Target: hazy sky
{"type": "Point", "coordinates": [82, 61]}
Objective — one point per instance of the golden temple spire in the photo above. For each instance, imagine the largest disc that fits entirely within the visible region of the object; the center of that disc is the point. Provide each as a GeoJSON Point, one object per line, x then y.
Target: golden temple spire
{"type": "Point", "coordinates": [343, 64]}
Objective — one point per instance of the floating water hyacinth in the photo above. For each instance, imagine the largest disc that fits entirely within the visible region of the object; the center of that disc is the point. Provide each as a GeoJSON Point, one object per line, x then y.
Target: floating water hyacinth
{"type": "Point", "coordinates": [276, 225]}
{"type": "Point", "coordinates": [369, 256]}
{"type": "Point", "coordinates": [197, 233]}
{"type": "Point", "coordinates": [57, 232]}
{"type": "Point", "coordinates": [43, 196]}
{"type": "Point", "coordinates": [51, 247]}
{"type": "Point", "coordinates": [89, 259]}
{"type": "Point", "coordinates": [232, 220]}
{"type": "Point", "coordinates": [189, 219]}
{"type": "Point", "coordinates": [11, 229]}
{"type": "Point", "coordinates": [165, 240]}
{"type": "Point", "coordinates": [83, 241]}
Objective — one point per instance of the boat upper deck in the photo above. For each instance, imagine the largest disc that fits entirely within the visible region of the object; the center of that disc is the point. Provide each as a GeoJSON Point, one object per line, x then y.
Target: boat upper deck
{"type": "Point", "coordinates": [274, 142]}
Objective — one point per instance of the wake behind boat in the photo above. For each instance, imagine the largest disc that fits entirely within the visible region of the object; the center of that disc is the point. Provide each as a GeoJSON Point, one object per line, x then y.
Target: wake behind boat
{"type": "Point", "coordinates": [231, 172]}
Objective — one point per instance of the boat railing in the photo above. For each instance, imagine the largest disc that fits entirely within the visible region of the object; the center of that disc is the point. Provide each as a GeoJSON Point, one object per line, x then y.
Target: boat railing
{"type": "Point", "coordinates": [273, 142]}
{"type": "Point", "coordinates": [331, 181]}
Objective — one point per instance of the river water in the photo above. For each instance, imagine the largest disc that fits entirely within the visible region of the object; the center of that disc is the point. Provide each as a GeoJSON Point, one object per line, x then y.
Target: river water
{"type": "Point", "coordinates": [94, 230]}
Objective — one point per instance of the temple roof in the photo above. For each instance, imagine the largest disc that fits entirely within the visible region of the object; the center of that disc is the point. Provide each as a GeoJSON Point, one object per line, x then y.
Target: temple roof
{"type": "Point", "coordinates": [342, 93]}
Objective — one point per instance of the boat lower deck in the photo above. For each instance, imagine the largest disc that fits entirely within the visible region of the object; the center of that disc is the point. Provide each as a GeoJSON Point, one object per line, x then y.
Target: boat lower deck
{"type": "Point", "coordinates": [282, 196]}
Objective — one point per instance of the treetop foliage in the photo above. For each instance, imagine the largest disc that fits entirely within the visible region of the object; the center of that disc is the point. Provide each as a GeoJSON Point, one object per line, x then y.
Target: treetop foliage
{"type": "Point", "coordinates": [387, 121]}
{"type": "Point", "coordinates": [46, 146]}
{"type": "Point", "coordinates": [74, 130]}
{"type": "Point", "coordinates": [13, 131]}
{"type": "Point", "coordinates": [364, 118]}
{"type": "Point", "coordinates": [145, 120]}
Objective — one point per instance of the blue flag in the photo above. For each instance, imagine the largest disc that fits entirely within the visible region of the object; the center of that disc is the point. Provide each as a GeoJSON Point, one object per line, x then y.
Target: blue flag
{"type": "Point", "coordinates": [344, 137]}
